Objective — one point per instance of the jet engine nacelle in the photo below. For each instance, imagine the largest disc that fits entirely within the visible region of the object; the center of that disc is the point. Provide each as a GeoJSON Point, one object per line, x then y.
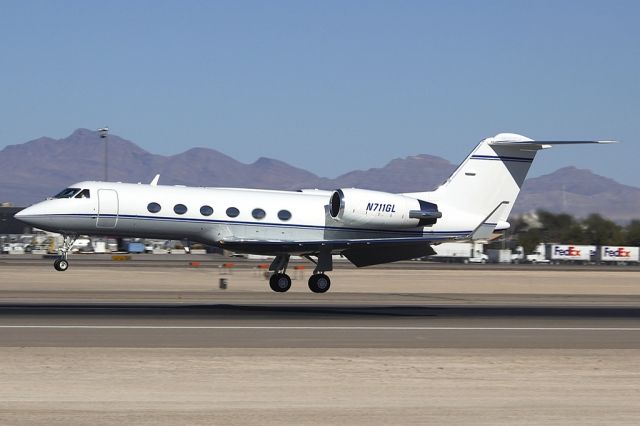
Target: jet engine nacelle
{"type": "Point", "coordinates": [361, 207]}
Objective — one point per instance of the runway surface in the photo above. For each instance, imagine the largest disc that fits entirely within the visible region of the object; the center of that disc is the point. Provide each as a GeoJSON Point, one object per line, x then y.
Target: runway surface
{"type": "Point", "coordinates": [344, 320]}
{"type": "Point", "coordinates": [153, 345]}
{"type": "Point", "coordinates": [152, 307]}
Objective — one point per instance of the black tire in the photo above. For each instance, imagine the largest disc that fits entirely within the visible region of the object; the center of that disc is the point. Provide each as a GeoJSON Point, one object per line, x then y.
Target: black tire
{"type": "Point", "coordinates": [61, 265]}
{"type": "Point", "coordinates": [319, 283]}
{"type": "Point", "coordinates": [280, 283]}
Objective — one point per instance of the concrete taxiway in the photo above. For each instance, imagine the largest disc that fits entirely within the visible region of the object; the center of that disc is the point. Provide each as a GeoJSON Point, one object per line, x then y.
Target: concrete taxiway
{"type": "Point", "coordinates": [153, 345]}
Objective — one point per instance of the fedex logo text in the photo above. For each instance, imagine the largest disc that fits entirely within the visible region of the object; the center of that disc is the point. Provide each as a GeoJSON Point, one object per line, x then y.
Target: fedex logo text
{"type": "Point", "coordinates": [616, 252]}
{"type": "Point", "coordinates": [570, 251]}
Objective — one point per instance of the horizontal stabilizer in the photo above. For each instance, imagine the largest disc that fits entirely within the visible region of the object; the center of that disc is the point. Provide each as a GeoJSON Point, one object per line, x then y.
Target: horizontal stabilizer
{"type": "Point", "coordinates": [535, 145]}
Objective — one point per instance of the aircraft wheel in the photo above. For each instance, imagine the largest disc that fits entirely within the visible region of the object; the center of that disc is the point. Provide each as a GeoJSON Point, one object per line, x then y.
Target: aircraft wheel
{"type": "Point", "coordinates": [61, 265]}
{"type": "Point", "coordinates": [319, 283]}
{"type": "Point", "coordinates": [280, 282]}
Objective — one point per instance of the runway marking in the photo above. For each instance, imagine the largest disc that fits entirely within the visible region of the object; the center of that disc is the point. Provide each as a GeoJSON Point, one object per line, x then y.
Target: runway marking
{"type": "Point", "coordinates": [356, 328]}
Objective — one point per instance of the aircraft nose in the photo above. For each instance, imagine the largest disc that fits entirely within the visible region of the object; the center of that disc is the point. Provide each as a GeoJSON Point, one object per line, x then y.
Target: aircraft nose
{"type": "Point", "coordinates": [33, 215]}
{"type": "Point", "coordinates": [24, 215]}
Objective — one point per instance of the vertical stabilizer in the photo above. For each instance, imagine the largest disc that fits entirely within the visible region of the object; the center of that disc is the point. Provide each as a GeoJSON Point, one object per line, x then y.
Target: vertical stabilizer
{"type": "Point", "coordinates": [493, 174]}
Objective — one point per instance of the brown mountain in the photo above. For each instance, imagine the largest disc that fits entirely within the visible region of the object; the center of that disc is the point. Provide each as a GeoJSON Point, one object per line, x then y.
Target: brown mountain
{"type": "Point", "coordinates": [580, 192]}
{"type": "Point", "coordinates": [34, 170]}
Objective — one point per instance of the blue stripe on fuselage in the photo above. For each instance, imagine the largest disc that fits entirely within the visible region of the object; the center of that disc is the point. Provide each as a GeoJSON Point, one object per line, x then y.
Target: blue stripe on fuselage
{"type": "Point", "coordinates": [271, 225]}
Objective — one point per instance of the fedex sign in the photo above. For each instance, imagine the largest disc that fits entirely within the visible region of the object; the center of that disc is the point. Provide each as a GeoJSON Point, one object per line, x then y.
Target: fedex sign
{"type": "Point", "coordinates": [620, 254]}
{"type": "Point", "coordinates": [569, 251]}
{"type": "Point", "coordinates": [617, 252]}
{"type": "Point", "coordinates": [572, 252]}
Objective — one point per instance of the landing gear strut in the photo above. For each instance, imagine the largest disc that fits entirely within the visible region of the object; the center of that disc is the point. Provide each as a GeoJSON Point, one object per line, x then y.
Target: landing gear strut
{"type": "Point", "coordinates": [319, 282]}
{"type": "Point", "coordinates": [61, 263]}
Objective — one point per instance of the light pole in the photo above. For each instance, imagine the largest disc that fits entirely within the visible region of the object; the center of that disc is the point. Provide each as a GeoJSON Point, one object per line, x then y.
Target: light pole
{"type": "Point", "coordinates": [104, 132]}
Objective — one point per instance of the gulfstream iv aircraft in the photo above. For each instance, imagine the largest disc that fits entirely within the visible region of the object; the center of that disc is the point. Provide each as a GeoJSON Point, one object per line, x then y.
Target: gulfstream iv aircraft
{"type": "Point", "coordinates": [367, 227]}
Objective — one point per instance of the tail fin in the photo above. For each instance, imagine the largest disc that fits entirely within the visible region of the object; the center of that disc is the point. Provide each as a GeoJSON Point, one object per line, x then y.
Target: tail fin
{"type": "Point", "coordinates": [493, 174]}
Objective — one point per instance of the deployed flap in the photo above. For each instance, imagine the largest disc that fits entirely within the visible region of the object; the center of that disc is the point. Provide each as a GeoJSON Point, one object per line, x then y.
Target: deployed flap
{"type": "Point", "coordinates": [488, 225]}
{"type": "Point", "coordinates": [375, 255]}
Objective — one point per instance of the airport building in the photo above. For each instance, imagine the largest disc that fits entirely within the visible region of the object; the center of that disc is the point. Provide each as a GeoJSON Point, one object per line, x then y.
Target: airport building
{"type": "Point", "coordinates": [9, 225]}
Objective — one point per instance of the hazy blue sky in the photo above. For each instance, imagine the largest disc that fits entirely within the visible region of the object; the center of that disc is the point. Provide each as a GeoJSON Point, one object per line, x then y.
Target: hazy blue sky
{"type": "Point", "coordinates": [330, 86]}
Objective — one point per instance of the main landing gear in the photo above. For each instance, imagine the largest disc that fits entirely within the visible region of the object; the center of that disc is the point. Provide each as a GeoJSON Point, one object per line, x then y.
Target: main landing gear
{"type": "Point", "coordinates": [61, 263]}
{"type": "Point", "coordinates": [319, 282]}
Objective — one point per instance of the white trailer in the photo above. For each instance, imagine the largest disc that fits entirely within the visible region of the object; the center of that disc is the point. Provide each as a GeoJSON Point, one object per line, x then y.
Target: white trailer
{"type": "Point", "coordinates": [619, 254]}
{"type": "Point", "coordinates": [499, 255]}
{"type": "Point", "coordinates": [569, 253]}
{"type": "Point", "coordinates": [460, 252]}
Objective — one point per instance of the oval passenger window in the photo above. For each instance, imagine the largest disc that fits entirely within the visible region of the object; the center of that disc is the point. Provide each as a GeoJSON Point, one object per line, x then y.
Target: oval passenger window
{"type": "Point", "coordinates": [206, 211]}
{"type": "Point", "coordinates": [258, 213]}
{"type": "Point", "coordinates": [284, 215]}
{"type": "Point", "coordinates": [180, 209]}
{"type": "Point", "coordinates": [233, 212]}
{"type": "Point", "coordinates": [153, 207]}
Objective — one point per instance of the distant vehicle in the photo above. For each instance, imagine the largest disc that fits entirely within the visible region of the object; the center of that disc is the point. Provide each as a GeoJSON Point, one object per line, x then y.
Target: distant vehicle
{"type": "Point", "coordinates": [556, 253]}
{"type": "Point", "coordinates": [569, 253]}
{"type": "Point", "coordinates": [367, 227]}
{"type": "Point", "coordinates": [619, 254]}
{"type": "Point", "coordinates": [537, 256]}
{"type": "Point", "coordinates": [13, 248]}
{"type": "Point", "coordinates": [460, 252]}
{"type": "Point", "coordinates": [499, 255]}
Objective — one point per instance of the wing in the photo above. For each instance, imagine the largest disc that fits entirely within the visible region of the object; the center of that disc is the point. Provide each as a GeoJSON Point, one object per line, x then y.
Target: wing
{"type": "Point", "coordinates": [359, 252]}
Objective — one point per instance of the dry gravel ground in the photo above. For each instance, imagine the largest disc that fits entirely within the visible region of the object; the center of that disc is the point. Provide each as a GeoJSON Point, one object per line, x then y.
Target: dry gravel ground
{"type": "Point", "coordinates": [56, 386]}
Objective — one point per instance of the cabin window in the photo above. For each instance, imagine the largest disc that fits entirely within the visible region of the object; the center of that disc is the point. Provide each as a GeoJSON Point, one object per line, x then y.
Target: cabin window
{"type": "Point", "coordinates": [67, 193]}
{"type": "Point", "coordinates": [153, 207]}
{"type": "Point", "coordinates": [84, 194]}
{"type": "Point", "coordinates": [206, 211]}
{"type": "Point", "coordinates": [233, 212]}
{"type": "Point", "coordinates": [180, 209]}
{"type": "Point", "coordinates": [284, 215]}
{"type": "Point", "coordinates": [258, 213]}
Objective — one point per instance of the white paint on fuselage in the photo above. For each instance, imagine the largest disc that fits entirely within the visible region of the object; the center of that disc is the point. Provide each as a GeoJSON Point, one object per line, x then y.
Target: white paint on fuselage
{"type": "Point", "coordinates": [310, 220]}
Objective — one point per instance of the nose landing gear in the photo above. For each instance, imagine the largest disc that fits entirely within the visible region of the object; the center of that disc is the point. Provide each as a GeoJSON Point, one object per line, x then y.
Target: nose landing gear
{"type": "Point", "coordinates": [61, 263]}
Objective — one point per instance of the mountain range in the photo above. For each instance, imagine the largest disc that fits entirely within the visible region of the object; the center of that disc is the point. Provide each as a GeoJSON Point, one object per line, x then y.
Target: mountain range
{"type": "Point", "coordinates": [33, 170]}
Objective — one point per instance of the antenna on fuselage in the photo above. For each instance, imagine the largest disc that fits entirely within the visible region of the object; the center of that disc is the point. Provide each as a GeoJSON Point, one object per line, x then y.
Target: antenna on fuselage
{"type": "Point", "coordinates": [155, 180]}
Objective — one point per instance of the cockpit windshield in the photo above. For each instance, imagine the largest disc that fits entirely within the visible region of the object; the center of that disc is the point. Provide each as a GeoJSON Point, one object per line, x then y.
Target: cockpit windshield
{"type": "Point", "coordinates": [84, 194]}
{"type": "Point", "coordinates": [67, 193]}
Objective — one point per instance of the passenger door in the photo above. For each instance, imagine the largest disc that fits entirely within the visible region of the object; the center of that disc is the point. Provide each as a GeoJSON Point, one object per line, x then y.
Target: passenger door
{"type": "Point", "coordinates": [107, 208]}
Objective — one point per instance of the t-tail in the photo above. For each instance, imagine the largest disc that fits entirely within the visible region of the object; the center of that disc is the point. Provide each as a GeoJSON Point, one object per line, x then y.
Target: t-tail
{"type": "Point", "coordinates": [488, 181]}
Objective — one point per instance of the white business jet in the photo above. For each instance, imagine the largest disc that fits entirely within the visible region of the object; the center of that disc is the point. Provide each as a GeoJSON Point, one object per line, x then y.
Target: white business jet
{"type": "Point", "coordinates": [367, 227]}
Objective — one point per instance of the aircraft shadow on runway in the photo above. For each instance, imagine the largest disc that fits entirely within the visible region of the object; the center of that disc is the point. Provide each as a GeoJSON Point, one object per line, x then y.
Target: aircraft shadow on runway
{"type": "Point", "coordinates": [292, 312]}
